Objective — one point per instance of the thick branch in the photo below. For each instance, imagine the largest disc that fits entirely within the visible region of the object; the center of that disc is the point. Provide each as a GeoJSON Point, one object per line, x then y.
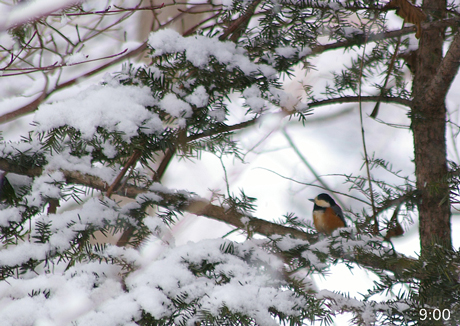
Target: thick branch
{"type": "Point", "coordinates": [440, 84]}
{"type": "Point", "coordinates": [384, 35]}
{"type": "Point", "coordinates": [205, 208]}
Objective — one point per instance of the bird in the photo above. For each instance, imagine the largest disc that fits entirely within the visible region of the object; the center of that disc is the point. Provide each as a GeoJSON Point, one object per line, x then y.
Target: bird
{"type": "Point", "coordinates": [327, 215]}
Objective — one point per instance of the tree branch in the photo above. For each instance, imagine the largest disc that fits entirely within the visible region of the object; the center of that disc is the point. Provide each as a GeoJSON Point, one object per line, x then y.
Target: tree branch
{"type": "Point", "coordinates": [34, 104]}
{"type": "Point", "coordinates": [353, 99]}
{"type": "Point", "coordinates": [240, 23]}
{"type": "Point", "coordinates": [316, 50]}
{"type": "Point", "coordinates": [205, 208]}
{"type": "Point", "coordinates": [25, 71]}
{"type": "Point", "coordinates": [440, 84]}
{"type": "Point", "coordinates": [20, 14]}
{"type": "Point", "coordinates": [384, 35]}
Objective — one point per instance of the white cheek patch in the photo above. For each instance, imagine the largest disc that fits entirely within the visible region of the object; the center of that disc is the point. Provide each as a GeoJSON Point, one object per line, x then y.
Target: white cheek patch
{"type": "Point", "coordinates": [322, 203]}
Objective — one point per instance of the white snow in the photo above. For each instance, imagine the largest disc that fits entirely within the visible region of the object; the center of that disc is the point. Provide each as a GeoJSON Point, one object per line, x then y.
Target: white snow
{"type": "Point", "coordinates": [46, 185]}
{"type": "Point", "coordinates": [23, 252]}
{"type": "Point", "coordinates": [76, 58]}
{"type": "Point", "coordinates": [114, 107]}
{"type": "Point", "coordinates": [90, 294]}
{"type": "Point", "coordinates": [30, 10]}
{"type": "Point", "coordinates": [10, 214]}
{"type": "Point", "coordinates": [254, 99]}
{"type": "Point", "coordinates": [334, 5]}
{"type": "Point", "coordinates": [350, 31]}
{"type": "Point", "coordinates": [199, 97]}
{"type": "Point", "coordinates": [287, 243]}
{"type": "Point", "coordinates": [63, 227]}
{"type": "Point", "coordinates": [65, 161]}
{"type": "Point", "coordinates": [305, 51]}
{"type": "Point", "coordinates": [286, 51]}
{"type": "Point", "coordinates": [199, 49]}
{"type": "Point", "coordinates": [175, 106]}
{"type": "Point", "coordinates": [287, 100]}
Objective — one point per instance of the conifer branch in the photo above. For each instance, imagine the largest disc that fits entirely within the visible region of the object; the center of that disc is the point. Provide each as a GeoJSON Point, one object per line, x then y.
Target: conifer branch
{"type": "Point", "coordinates": [315, 51]}
{"type": "Point", "coordinates": [205, 208]}
{"type": "Point", "coordinates": [239, 25]}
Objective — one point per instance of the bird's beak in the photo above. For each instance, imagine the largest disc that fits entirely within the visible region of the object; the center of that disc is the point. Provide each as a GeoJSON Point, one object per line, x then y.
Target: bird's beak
{"type": "Point", "coordinates": [312, 200]}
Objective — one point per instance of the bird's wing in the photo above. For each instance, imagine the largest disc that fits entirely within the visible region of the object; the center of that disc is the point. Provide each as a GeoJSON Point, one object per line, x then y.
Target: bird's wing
{"type": "Point", "coordinates": [339, 212]}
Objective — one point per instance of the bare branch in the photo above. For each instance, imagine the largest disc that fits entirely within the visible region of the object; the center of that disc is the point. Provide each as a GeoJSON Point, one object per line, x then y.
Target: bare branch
{"type": "Point", "coordinates": [33, 105]}
{"type": "Point", "coordinates": [24, 71]}
{"type": "Point", "coordinates": [108, 11]}
{"type": "Point", "coordinates": [356, 99]}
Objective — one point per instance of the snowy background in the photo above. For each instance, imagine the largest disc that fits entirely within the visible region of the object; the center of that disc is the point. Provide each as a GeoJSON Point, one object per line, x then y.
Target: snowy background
{"type": "Point", "coordinates": [330, 141]}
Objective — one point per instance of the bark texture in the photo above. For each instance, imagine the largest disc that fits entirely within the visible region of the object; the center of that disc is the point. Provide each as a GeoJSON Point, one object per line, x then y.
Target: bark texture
{"type": "Point", "coordinates": [429, 128]}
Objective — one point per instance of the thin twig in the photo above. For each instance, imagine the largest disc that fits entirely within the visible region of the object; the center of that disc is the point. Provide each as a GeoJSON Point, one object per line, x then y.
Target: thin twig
{"type": "Point", "coordinates": [308, 165]}
{"type": "Point", "coordinates": [108, 11]}
{"type": "Point", "coordinates": [317, 186]}
{"type": "Point", "coordinates": [382, 35]}
{"type": "Point", "coordinates": [132, 160]}
{"type": "Point", "coordinates": [363, 137]}
{"type": "Point", "coordinates": [33, 106]}
{"type": "Point", "coordinates": [55, 65]}
{"type": "Point", "coordinates": [387, 78]}
{"type": "Point", "coordinates": [17, 55]}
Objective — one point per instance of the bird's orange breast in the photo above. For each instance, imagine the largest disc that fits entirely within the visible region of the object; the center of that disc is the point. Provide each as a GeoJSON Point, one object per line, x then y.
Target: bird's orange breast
{"type": "Point", "coordinates": [326, 220]}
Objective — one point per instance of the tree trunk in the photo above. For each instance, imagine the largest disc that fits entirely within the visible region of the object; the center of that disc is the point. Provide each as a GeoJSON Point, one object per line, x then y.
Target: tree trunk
{"type": "Point", "coordinates": [429, 128]}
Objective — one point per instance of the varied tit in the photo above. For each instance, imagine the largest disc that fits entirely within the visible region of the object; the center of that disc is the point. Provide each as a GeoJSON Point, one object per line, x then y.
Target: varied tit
{"type": "Point", "coordinates": [327, 215]}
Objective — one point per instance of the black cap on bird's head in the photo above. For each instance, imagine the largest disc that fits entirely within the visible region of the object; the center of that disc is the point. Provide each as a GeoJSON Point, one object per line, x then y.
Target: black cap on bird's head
{"type": "Point", "coordinates": [325, 205]}
{"type": "Point", "coordinates": [323, 200]}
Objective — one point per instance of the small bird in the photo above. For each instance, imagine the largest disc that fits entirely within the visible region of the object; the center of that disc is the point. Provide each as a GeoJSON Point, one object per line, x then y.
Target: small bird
{"type": "Point", "coordinates": [327, 215]}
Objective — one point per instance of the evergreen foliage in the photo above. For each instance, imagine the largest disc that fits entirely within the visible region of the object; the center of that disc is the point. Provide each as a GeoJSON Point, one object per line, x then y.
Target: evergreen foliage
{"type": "Point", "coordinates": [181, 98]}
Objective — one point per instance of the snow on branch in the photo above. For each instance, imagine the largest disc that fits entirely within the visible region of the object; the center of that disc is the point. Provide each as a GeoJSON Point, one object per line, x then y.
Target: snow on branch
{"type": "Point", "coordinates": [198, 50]}
{"type": "Point", "coordinates": [114, 107]}
{"type": "Point", "coordinates": [202, 207]}
{"type": "Point", "coordinates": [28, 11]}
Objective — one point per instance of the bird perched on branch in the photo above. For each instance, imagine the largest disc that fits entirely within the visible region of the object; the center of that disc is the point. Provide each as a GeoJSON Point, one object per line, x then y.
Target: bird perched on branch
{"type": "Point", "coordinates": [327, 215]}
